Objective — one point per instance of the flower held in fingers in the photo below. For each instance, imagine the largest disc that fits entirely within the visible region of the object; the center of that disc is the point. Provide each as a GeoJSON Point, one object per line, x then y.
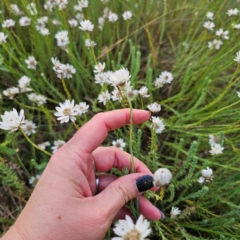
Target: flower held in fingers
{"type": "Point", "coordinates": [162, 177]}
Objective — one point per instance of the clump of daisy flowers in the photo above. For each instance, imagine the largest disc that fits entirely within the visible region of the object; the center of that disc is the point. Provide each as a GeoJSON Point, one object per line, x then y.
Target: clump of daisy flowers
{"type": "Point", "coordinates": [68, 111]}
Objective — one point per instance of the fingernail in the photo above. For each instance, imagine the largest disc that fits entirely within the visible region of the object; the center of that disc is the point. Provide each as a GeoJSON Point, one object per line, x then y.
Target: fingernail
{"type": "Point", "coordinates": [162, 214]}
{"type": "Point", "coordinates": [144, 183]}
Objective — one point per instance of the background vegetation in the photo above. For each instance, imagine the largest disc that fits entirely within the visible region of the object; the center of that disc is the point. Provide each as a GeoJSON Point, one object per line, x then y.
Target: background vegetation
{"type": "Point", "coordinates": [201, 100]}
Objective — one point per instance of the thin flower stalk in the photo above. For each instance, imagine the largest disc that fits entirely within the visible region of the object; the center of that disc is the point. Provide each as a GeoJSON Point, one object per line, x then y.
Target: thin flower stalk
{"type": "Point", "coordinates": [133, 170]}
{"type": "Point", "coordinates": [33, 144]}
{"type": "Point", "coordinates": [66, 90]}
{"type": "Point", "coordinates": [91, 48]}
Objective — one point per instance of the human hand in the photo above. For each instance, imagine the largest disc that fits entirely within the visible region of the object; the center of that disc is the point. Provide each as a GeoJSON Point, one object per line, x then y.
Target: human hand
{"type": "Point", "coordinates": [63, 204]}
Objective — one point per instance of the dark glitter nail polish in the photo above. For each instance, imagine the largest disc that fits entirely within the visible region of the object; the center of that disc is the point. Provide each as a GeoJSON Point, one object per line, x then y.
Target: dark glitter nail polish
{"type": "Point", "coordinates": [144, 183]}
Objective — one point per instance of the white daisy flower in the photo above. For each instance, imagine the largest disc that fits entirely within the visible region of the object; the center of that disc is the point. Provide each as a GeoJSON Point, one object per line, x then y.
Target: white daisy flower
{"type": "Point", "coordinates": [3, 37]}
{"type": "Point", "coordinates": [31, 62]}
{"type": "Point", "coordinates": [174, 212]}
{"type": "Point", "coordinates": [116, 96]}
{"type": "Point", "coordinates": [101, 78]}
{"type": "Point", "coordinates": [44, 145]}
{"type": "Point", "coordinates": [126, 229]}
{"type": "Point", "coordinates": [119, 143]}
{"type": "Point", "coordinates": [31, 7]}
{"type": "Point", "coordinates": [106, 12]}
{"type": "Point", "coordinates": [143, 91]}
{"type": "Point", "coordinates": [98, 68]}
{"type": "Point", "coordinates": [78, 7]}
{"type": "Point", "coordinates": [45, 31]}
{"type": "Point", "coordinates": [12, 121]}
{"type": "Point", "coordinates": [29, 127]}
{"type": "Point", "coordinates": [237, 58]}
{"type": "Point", "coordinates": [15, 9]}
{"type": "Point", "coordinates": [129, 92]}
{"type": "Point", "coordinates": [8, 23]}
{"type": "Point", "coordinates": [112, 17]}
{"type": "Point", "coordinates": [159, 82]}
{"type": "Point", "coordinates": [62, 38]}
{"type": "Point", "coordinates": [66, 112]}
{"type": "Point", "coordinates": [86, 25]}
{"type": "Point", "coordinates": [49, 6]}
{"type": "Point", "coordinates": [210, 15]}
{"type": "Point", "coordinates": [56, 22]}
{"type": "Point", "coordinates": [61, 4]}
{"type": "Point", "coordinates": [119, 78]}
{"type": "Point", "coordinates": [33, 180]}
{"type": "Point", "coordinates": [127, 15]}
{"type": "Point", "coordinates": [162, 177]}
{"type": "Point", "coordinates": [101, 22]}
{"type": "Point", "coordinates": [209, 25]}
{"type": "Point", "coordinates": [216, 149]}
{"type": "Point", "coordinates": [24, 21]}
{"type": "Point", "coordinates": [40, 24]}
{"type": "Point", "coordinates": [82, 108]}
{"type": "Point", "coordinates": [223, 34]}
{"type": "Point", "coordinates": [232, 12]}
{"type": "Point", "coordinates": [69, 70]}
{"type": "Point", "coordinates": [167, 76]}
{"type": "Point", "coordinates": [157, 124]}
{"type": "Point", "coordinates": [39, 99]}
{"type": "Point", "coordinates": [206, 175]}
{"type": "Point", "coordinates": [104, 97]}
{"type": "Point", "coordinates": [154, 107]}
{"type": "Point", "coordinates": [79, 17]}
{"type": "Point", "coordinates": [57, 145]}
{"type": "Point", "coordinates": [89, 43]}
{"type": "Point", "coordinates": [211, 140]}
{"type": "Point", "coordinates": [238, 93]}
{"type": "Point", "coordinates": [63, 70]}
{"type": "Point", "coordinates": [73, 23]}
{"type": "Point", "coordinates": [23, 84]}
{"type": "Point", "coordinates": [236, 26]}
{"type": "Point", "coordinates": [83, 3]}
{"type": "Point", "coordinates": [215, 44]}
{"type": "Point", "coordinates": [11, 92]}
{"type": "Point", "coordinates": [164, 77]}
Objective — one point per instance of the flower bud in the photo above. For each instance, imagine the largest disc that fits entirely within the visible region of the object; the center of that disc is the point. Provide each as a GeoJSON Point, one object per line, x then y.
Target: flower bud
{"type": "Point", "coordinates": [162, 177]}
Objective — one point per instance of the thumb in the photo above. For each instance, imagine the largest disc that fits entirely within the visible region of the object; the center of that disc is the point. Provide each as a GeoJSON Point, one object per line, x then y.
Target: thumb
{"type": "Point", "coordinates": [122, 190]}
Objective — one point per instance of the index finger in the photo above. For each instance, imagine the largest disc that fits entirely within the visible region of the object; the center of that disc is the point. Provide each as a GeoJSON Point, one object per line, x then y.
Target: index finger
{"type": "Point", "coordinates": [93, 133]}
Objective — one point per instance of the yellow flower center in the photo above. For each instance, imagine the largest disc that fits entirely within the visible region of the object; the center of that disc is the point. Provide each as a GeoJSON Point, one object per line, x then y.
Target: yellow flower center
{"type": "Point", "coordinates": [29, 128]}
{"type": "Point", "coordinates": [133, 235]}
{"type": "Point", "coordinates": [67, 111]}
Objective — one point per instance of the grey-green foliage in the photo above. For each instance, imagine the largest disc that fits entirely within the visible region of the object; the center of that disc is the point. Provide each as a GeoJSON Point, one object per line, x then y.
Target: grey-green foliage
{"type": "Point", "coordinates": [10, 178]}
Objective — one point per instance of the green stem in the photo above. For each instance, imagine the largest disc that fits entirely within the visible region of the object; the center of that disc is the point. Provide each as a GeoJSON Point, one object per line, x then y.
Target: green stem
{"type": "Point", "coordinates": [65, 89]}
{"type": "Point", "coordinates": [131, 137]}
{"type": "Point", "coordinates": [75, 125]}
{"type": "Point", "coordinates": [33, 144]}
{"type": "Point", "coordinates": [91, 48]}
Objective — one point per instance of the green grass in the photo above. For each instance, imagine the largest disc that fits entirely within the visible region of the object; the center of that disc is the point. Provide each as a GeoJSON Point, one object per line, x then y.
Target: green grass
{"type": "Point", "coordinates": [201, 100]}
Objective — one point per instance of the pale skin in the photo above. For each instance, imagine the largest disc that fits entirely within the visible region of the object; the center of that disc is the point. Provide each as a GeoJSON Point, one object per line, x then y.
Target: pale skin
{"type": "Point", "coordinates": [63, 204]}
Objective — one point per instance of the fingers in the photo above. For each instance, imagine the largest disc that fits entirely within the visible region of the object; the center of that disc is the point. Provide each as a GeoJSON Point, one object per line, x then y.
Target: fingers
{"type": "Point", "coordinates": [107, 158]}
{"type": "Point", "coordinates": [146, 207]}
{"type": "Point", "coordinates": [93, 133]}
{"type": "Point", "coordinates": [119, 192]}
{"type": "Point", "coordinates": [148, 210]}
